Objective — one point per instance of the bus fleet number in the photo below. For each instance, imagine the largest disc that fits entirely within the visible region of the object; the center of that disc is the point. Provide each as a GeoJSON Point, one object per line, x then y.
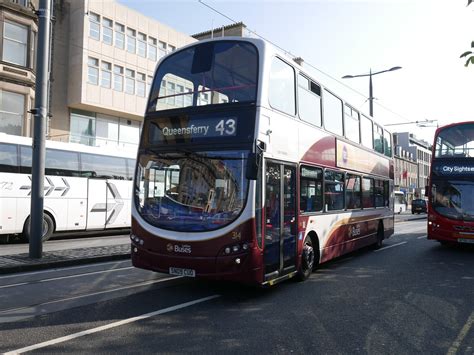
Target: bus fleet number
{"type": "Point", "coordinates": [226, 127]}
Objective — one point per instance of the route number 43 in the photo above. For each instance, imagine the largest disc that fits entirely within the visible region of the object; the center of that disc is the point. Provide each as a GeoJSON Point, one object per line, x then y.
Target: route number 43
{"type": "Point", "coordinates": [226, 127]}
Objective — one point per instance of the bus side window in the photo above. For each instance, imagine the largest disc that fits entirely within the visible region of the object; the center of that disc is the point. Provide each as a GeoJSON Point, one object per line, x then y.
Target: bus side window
{"type": "Point", "coordinates": [367, 192]}
{"type": "Point", "coordinates": [8, 158]}
{"type": "Point", "coordinates": [311, 194]}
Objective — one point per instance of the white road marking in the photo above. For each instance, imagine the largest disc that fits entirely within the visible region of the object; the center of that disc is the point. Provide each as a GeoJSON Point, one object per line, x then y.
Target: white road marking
{"type": "Point", "coordinates": [391, 246]}
{"type": "Point", "coordinates": [462, 334]}
{"type": "Point", "coordinates": [92, 294]}
{"type": "Point", "coordinates": [109, 326]}
{"type": "Point", "coordinates": [60, 269]}
{"type": "Point", "coordinates": [422, 237]}
{"type": "Point", "coordinates": [66, 277]}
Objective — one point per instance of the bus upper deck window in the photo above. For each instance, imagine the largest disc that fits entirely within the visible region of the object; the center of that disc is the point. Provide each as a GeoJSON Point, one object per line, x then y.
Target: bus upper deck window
{"type": "Point", "coordinates": [202, 59]}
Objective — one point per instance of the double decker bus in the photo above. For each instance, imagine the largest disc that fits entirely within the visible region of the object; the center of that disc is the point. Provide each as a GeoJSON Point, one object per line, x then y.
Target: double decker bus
{"type": "Point", "coordinates": [250, 170]}
{"type": "Point", "coordinates": [85, 188]}
{"type": "Point", "coordinates": [451, 185]}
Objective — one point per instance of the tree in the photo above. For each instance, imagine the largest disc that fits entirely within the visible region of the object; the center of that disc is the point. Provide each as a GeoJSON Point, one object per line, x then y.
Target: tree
{"type": "Point", "coordinates": [469, 54]}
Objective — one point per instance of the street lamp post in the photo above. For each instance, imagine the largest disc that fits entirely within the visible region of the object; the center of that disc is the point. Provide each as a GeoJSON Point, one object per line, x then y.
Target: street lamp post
{"type": "Point", "coordinates": [371, 92]}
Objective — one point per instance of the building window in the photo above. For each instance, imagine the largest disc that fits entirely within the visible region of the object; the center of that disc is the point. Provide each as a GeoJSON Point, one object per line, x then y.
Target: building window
{"type": "Point", "coordinates": [93, 71]}
{"type": "Point", "coordinates": [149, 81]}
{"type": "Point", "coordinates": [12, 108]}
{"type": "Point", "coordinates": [171, 91]}
{"type": "Point", "coordinates": [118, 78]}
{"type": "Point", "coordinates": [131, 40]}
{"type": "Point", "coordinates": [82, 127]}
{"type": "Point", "coordinates": [106, 75]}
{"type": "Point", "coordinates": [141, 84]}
{"type": "Point", "coordinates": [107, 31]}
{"type": "Point", "coordinates": [15, 43]}
{"type": "Point", "coordinates": [119, 36]}
{"type": "Point", "coordinates": [129, 81]}
{"type": "Point", "coordinates": [162, 48]}
{"type": "Point", "coordinates": [94, 26]}
{"type": "Point", "coordinates": [152, 50]}
{"type": "Point", "coordinates": [171, 48]}
{"type": "Point", "coordinates": [141, 49]}
{"type": "Point", "coordinates": [180, 95]}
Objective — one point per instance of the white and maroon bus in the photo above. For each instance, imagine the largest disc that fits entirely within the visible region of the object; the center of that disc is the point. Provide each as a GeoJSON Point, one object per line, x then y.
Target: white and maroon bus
{"type": "Point", "coordinates": [451, 190]}
{"type": "Point", "coordinates": [250, 170]}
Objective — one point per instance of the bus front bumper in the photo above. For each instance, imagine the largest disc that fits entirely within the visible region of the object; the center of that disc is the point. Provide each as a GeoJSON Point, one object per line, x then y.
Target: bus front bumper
{"type": "Point", "coordinates": [238, 267]}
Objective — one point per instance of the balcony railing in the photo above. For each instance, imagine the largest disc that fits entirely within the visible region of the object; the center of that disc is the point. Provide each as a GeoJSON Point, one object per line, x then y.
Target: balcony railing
{"type": "Point", "coordinates": [95, 141]}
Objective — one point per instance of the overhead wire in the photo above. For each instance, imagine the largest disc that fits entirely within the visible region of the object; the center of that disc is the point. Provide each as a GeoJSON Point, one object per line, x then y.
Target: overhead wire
{"type": "Point", "coordinates": [307, 63]}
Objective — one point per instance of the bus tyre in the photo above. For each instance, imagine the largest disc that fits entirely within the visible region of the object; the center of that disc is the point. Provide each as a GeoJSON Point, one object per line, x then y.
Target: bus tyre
{"type": "Point", "coordinates": [48, 228]}
{"type": "Point", "coordinates": [380, 236]}
{"type": "Point", "coordinates": [307, 260]}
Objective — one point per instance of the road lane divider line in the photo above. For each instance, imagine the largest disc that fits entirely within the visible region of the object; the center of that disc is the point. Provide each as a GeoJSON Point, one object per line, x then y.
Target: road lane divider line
{"type": "Point", "coordinates": [110, 326]}
{"type": "Point", "coordinates": [21, 274]}
{"type": "Point", "coordinates": [462, 334]}
{"type": "Point", "coordinates": [65, 277]}
{"type": "Point", "coordinates": [423, 236]}
{"type": "Point", "coordinates": [391, 246]}
{"type": "Point", "coordinates": [146, 283]}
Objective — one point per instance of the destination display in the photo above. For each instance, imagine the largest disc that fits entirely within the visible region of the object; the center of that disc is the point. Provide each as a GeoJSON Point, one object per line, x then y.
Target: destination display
{"type": "Point", "coordinates": [199, 128]}
{"type": "Point", "coordinates": [454, 169]}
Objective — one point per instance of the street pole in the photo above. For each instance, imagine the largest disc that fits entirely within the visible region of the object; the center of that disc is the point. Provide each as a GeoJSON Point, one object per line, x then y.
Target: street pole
{"type": "Point", "coordinates": [371, 95]}
{"type": "Point", "coordinates": [40, 112]}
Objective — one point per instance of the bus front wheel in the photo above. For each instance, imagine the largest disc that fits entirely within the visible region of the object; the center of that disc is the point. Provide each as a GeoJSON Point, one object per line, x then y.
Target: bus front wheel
{"type": "Point", "coordinates": [48, 228]}
{"type": "Point", "coordinates": [307, 260]}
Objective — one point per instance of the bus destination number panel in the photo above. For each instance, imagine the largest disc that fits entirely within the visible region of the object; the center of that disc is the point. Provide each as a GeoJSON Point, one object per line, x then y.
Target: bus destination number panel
{"type": "Point", "coordinates": [236, 127]}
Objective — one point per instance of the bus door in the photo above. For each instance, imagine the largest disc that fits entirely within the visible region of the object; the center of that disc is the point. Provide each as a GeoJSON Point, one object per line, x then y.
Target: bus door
{"type": "Point", "coordinates": [96, 204]}
{"type": "Point", "coordinates": [280, 219]}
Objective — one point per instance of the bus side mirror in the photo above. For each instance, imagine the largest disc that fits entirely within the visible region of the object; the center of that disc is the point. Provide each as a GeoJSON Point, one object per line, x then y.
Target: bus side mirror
{"type": "Point", "coordinates": [253, 162]}
{"type": "Point", "coordinates": [426, 191]}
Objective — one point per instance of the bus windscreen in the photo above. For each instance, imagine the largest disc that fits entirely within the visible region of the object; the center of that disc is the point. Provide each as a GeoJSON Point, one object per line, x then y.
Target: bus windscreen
{"type": "Point", "coordinates": [209, 73]}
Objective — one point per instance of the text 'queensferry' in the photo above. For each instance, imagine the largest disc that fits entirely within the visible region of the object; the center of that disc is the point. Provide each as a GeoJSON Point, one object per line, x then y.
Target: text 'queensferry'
{"type": "Point", "coordinates": [199, 130]}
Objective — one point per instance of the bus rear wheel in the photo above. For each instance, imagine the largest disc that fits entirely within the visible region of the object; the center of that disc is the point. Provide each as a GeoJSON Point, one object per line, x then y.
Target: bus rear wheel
{"type": "Point", "coordinates": [380, 237]}
{"type": "Point", "coordinates": [307, 260]}
{"type": "Point", "coordinates": [48, 228]}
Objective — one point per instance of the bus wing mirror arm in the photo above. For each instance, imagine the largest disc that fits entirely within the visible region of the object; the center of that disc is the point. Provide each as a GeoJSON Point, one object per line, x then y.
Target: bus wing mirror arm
{"type": "Point", "coordinates": [254, 160]}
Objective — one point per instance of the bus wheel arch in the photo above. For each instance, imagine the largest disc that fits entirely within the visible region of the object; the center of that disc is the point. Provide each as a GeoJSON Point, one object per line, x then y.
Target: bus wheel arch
{"type": "Point", "coordinates": [309, 256]}
{"type": "Point", "coordinates": [49, 226]}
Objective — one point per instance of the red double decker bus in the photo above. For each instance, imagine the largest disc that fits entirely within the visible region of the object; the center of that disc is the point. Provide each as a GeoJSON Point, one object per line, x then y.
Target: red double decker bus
{"type": "Point", "coordinates": [250, 170]}
{"type": "Point", "coordinates": [451, 185]}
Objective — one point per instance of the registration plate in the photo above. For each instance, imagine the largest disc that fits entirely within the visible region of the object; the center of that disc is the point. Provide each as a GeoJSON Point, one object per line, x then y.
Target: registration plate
{"type": "Point", "coordinates": [465, 240]}
{"type": "Point", "coordinates": [182, 272]}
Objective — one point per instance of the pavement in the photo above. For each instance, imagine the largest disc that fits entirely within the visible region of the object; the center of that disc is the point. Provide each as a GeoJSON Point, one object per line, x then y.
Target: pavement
{"type": "Point", "coordinates": [15, 259]}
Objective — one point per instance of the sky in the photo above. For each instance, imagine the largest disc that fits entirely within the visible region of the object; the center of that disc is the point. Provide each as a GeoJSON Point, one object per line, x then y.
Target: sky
{"type": "Point", "coordinates": [351, 37]}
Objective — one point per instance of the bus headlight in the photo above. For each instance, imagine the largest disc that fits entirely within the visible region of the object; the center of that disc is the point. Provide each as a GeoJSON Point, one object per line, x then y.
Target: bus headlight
{"type": "Point", "coordinates": [236, 248]}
